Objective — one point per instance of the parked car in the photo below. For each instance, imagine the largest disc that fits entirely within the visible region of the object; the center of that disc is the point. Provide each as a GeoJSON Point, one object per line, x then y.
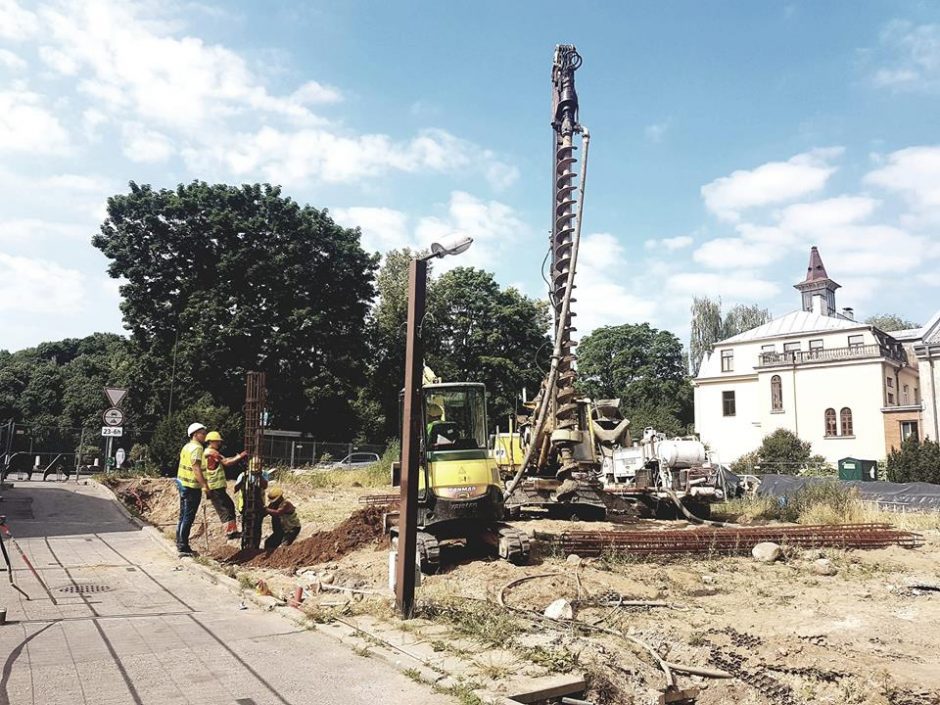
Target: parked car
{"type": "Point", "coordinates": [351, 462]}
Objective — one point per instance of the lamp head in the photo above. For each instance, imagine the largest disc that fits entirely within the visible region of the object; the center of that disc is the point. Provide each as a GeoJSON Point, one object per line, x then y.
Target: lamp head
{"type": "Point", "coordinates": [451, 245]}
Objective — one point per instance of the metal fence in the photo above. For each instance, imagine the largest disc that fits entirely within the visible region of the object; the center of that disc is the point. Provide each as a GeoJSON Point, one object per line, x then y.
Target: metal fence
{"type": "Point", "coordinates": [295, 449]}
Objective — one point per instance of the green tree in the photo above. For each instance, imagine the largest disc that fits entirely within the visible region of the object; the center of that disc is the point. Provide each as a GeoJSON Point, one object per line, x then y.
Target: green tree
{"type": "Point", "coordinates": [706, 327]}
{"type": "Point", "coordinates": [783, 453]}
{"type": "Point", "coordinates": [170, 433]}
{"type": "Point", "coordinates": [227, 279]}
{"type": "Point", "coordinates": [475, 331]}
{"type": "Point", "coordinates": [890, 321]}
{"type": "Point", "coordinates": [914, 461]}
{"type": "Point", "coordinates": [742, 318]}
{"type": "Point", "coordinates": [643, 367]}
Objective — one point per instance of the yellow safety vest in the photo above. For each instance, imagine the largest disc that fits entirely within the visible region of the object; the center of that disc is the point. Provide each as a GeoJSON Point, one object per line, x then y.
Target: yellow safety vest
{"type": "Point", "coordinates": [290, 521]}
{"type": "Point", "coordinates": [191, 453]}
{"type": "Point", "coordinates": [215, 476]}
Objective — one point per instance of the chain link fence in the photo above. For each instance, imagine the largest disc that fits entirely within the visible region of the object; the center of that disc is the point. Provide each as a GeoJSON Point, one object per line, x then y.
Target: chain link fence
{"type": "Point", "coordinates": [294, 449]}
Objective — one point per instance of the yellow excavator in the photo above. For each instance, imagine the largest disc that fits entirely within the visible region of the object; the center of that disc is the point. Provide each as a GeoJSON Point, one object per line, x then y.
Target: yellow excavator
{"type": "Point", "coordinates": [460, 494]}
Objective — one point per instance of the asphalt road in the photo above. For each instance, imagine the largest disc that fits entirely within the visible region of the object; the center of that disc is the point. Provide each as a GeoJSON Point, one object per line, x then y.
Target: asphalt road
{"type": "Point", "coordinates": [132, 626]}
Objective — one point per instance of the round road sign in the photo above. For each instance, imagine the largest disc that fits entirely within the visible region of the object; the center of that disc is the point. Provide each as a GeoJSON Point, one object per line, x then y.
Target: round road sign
{"type": "Point", "coordinates": [113, 417]}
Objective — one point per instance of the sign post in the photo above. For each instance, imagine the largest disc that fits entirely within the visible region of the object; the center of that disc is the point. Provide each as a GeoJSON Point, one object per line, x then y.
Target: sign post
{"type": "Point", "coordinates": [113, 419]}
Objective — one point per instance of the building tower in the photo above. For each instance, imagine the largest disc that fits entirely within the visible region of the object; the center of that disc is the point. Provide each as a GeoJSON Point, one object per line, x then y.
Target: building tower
{"type": "Point", "coordinates": [817, 283]}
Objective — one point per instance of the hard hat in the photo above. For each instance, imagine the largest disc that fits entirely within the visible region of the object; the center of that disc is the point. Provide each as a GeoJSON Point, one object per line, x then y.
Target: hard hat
{"type": "Point", "coordinates": [213, 436]}
{"type": "Point", "coordinates": [275, 492]}
{"type": "Point", "coordinates": [435, 411]}
{"type": "Point", "coordinates": [193, 427]}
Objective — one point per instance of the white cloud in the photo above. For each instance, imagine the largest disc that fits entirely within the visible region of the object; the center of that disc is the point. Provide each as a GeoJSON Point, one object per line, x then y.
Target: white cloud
{"type": "Point", "coordinates": [144, 145]}
{"type": "Point", "coordinates": [669, 244]}
{"type": "Point", "coordinates": [11, 60]}
{"type": "Point", "coordinates": [743, 287]}
{"type": "Point", "coordinates": [383, 229]}
{"type": "Point", "coordinates": [913, 173]}
{"type": "Point", "coordinates": [910, 57]}
{"type": "Point", "coordinates": [735, 253]}
{"type": "Point", "coordinates": [828, 213]}
{"type": "Point", "coordinates": [313, 93]}
{"type": "Point", "coordinates": [770, 183]}
{"type": "Point", "coordinates": [16, 23]}
{"type": "Point", "coordinates": [24, 231]}
{"type": "Point", "coordinates": [657, 131]}
{"type": "Point", "coordinates": [27, 126]}
{"type": "Point", "coordinates": [24, 286]}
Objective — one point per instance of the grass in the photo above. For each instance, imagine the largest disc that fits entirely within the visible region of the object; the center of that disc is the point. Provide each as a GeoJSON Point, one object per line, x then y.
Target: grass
{"type": "Point", "coordinates": [823, 503]}
{"type": "Point", "coordinates": [478, 620]}
{"type": "Point", "coordinates": [376, 475]}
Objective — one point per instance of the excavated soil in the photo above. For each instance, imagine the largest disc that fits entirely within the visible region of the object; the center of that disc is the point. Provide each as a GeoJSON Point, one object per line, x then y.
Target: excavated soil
{"type": "Point", "coordinates": [362, 528]}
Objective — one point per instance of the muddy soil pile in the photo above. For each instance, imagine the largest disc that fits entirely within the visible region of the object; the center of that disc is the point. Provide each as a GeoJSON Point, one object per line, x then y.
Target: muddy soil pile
{"type": "Point", "coordinates": [362, 528]}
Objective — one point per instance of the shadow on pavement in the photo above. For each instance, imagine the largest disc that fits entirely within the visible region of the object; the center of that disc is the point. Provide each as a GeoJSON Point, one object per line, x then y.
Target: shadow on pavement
{"type": "Point", "coordinates": [38, 510]}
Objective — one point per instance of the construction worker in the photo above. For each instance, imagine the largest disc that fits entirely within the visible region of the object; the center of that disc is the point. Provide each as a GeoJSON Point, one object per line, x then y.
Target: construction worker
{"type": "Point", "coordinates": [215, 476]}
{"type": "Point", "coordinates": [285, 524]}
{"type": "Point", "coordinates": [191, 482]}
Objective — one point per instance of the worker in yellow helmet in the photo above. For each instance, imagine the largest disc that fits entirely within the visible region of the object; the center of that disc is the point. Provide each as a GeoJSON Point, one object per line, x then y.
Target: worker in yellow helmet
{"type": "Point", "coordinates": [190, 482]}
{"type": "Point", "coordinates": [215, 476]}
{"type": "Point", "coordinates": [285, 524]}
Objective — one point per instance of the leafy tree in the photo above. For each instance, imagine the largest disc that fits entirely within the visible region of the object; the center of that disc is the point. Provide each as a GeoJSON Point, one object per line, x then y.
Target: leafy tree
{"type": "Point", "coordinates": [227, 279]}
{"type": "Point", "coordinates": [783, 453]}
{"type": "Point", "coordinates": [474, 331]}
{"type": "Point", "coordinates": [170, 433]}
{"type": "Point", "coordinates": [742, 318]}
{"type": "Point", "coordinates": [914, 461]}
{"type": "Point", "coordinates": [890, 321]}
{"type": "Point", "coordinates": [706, 328]}
{"type": "Point", "coordinates": [643, 367]}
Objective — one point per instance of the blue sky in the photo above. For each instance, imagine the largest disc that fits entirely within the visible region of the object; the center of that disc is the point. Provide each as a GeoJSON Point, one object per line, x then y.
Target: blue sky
{"type": "Point", "coordinates": [728, 137]}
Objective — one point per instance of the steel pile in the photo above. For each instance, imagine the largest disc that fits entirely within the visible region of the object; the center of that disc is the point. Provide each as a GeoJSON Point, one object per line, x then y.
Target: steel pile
{"type": "Point", "coordinates": [732, 541]}
{"type": "Point", "coordinates": [379, 500]}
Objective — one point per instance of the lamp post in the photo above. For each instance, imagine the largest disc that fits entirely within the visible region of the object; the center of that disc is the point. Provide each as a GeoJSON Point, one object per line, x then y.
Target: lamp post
{"type": "Point", "coordinates": [411, 421]}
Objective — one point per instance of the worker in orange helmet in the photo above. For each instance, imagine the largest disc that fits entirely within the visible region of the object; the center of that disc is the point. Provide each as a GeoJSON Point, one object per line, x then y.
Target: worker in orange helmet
{"type": "Point", "coordinates": [285, 524]}
{"type": "Point", "coordinates": [215, 477]}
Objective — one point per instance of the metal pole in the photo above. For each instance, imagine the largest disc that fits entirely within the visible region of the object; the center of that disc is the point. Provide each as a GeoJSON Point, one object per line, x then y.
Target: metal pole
{"type": "Point", "coordinates": [107, 455]}
{"type": "Point", "coordinates": [176, 340]}
{"type": "Point", "coordinates": [411, 441]}
{"type": "Point", "coordinates": [78, 456]}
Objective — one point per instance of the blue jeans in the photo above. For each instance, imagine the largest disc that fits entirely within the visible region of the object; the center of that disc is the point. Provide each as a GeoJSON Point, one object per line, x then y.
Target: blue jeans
{"type": "Point", "coordinates": [189, 503]}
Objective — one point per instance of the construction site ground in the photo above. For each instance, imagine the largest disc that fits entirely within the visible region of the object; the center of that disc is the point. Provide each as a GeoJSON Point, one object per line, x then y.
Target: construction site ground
{"type": "Point", "coordinates": [861, 635]}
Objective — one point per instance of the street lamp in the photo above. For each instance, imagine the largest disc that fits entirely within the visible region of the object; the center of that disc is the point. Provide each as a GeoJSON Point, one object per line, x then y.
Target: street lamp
{"type": "Point", "coordinates": [411, 420]}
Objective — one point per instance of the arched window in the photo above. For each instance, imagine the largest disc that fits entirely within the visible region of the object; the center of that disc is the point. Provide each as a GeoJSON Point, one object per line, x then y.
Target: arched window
{"type": "Point", "coordinates": [830, 422]}
{"type": "Point", "coordinates": [776, 394]}
{"type": "Point", "coordinates": [846, 417]}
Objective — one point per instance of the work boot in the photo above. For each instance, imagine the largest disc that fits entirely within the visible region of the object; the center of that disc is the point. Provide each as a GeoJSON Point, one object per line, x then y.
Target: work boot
{"type": "Point", "coordinates": [231, 530]}
{"type": "Point", "coordinates": [186, 552]}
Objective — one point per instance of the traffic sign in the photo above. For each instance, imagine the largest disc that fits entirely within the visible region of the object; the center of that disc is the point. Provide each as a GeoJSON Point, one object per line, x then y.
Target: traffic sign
{"type": "Point", "coordinates": [119, 457]}
{"type": "Point", "coordinates": [112, 431]}
{"type": "Point", "coordinates": [115, 395]}
{"type": "Point", "coordinates": [113, 417]}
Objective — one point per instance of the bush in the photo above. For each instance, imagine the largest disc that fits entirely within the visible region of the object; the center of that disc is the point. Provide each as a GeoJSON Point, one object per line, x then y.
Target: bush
{"type": "Point", "coordinates": [170, 434]}
{"type": "Point", "coordinates": [914, 461]}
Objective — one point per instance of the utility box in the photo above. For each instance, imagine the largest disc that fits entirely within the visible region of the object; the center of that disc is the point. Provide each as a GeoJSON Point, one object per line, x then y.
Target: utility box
{"type": "Point", "coordinates": [857, 469]}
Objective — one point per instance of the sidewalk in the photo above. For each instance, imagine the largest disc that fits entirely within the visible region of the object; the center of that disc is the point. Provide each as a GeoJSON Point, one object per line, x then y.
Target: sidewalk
{"type": "Point", "coordinates": [132, 626]}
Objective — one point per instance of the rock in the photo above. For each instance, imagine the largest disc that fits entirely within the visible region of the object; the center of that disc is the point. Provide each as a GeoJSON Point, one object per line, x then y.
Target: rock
{"type": "Point", "coordinates": [823, 566]}
{"type": "Point", "coordinates": [767, 552]}
{"type": "Point", "coordinates": [327, 579]}
{"type": "Point", "coordinates": [573, 558]}
{"type": "Point", "coordinates": [559, 609]}
{"type": "Point", "coordinates": [709, 579]}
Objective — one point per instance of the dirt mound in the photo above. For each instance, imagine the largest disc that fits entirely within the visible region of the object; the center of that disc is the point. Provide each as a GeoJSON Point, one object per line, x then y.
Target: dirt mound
{"type": "Point", "coordinates": [360, 528]}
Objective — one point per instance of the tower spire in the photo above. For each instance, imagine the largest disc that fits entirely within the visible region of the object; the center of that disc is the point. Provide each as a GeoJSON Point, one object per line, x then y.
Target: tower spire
{"type": "Point", "coordinates": [817, 283]}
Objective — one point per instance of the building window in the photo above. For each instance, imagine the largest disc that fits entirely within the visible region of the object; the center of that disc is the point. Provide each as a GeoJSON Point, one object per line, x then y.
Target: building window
{"type": "Point", "coordinates": [776, 394]}
{"type": "Point", "coordinates": [830, 422]}
{"type": "Point", "coordinates": [890, 399]}
{"type": "Point", "coordinates": [791, 347]}
{"type": "Point", "coordinates": [768, 348]}
{"type": "Point", "coordinates": [816, 344]}
{"type": "Point", "coordinates": [845, 417]}
{"type": "Point", "coordinates": [727, 360]}
{"type": "Point", "coordinates": [908, 429]}
{"type": "Point", "coordinates": [856, 341]}
{"type": "Point", "coordinates": [889, 382]}
{"type": "Point", "coordinates": [906, 394]}
{"type": "Point", "coordinates": [727, 404]}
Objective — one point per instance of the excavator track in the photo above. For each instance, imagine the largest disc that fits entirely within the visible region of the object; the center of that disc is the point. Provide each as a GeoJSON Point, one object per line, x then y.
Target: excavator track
{"type": "Point", "coordinates": [429, 552]}
{"type": "Point", "coordinates": [511, 544]}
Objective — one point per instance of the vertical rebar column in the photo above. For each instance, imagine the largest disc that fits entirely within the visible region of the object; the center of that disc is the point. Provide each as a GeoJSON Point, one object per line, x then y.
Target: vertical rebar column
{"type": "Point", "coordinates": [255, 402]}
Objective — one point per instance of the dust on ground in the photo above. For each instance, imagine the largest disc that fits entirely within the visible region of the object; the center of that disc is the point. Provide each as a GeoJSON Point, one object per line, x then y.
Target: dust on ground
{"type": "Point", "coordinates": [863, 636]}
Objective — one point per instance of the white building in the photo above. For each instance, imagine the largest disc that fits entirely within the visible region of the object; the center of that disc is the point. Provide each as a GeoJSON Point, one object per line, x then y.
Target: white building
{"type": "Point", "coordinates": [924, 344]}
{"type": "Point", "coordinates": [846, 387]}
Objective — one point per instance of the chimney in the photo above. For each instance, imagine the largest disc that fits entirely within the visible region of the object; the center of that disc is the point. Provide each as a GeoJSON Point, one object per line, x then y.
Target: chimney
{"type": "Point", "coordinates": [819, 306]}
{"type": "Point", "coordinates": [849, 313]}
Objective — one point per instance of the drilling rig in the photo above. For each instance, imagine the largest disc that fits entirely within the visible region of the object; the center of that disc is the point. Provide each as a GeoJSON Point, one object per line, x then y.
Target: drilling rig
{"type": "Point", "coordinates": [561, 468]}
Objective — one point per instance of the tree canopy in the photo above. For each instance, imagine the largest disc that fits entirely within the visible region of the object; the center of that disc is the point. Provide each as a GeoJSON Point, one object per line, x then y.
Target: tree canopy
{"type": "Point", "coordinates": [783, 453]}
{"type": "Point", "coordinates": [226, 279]}
{"type": "Point", "coordinates": [644, 368]}
{"type": "Point", "coordinates": [707, 326]}
{"type": "Point", "coordinates": [890, 321]}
